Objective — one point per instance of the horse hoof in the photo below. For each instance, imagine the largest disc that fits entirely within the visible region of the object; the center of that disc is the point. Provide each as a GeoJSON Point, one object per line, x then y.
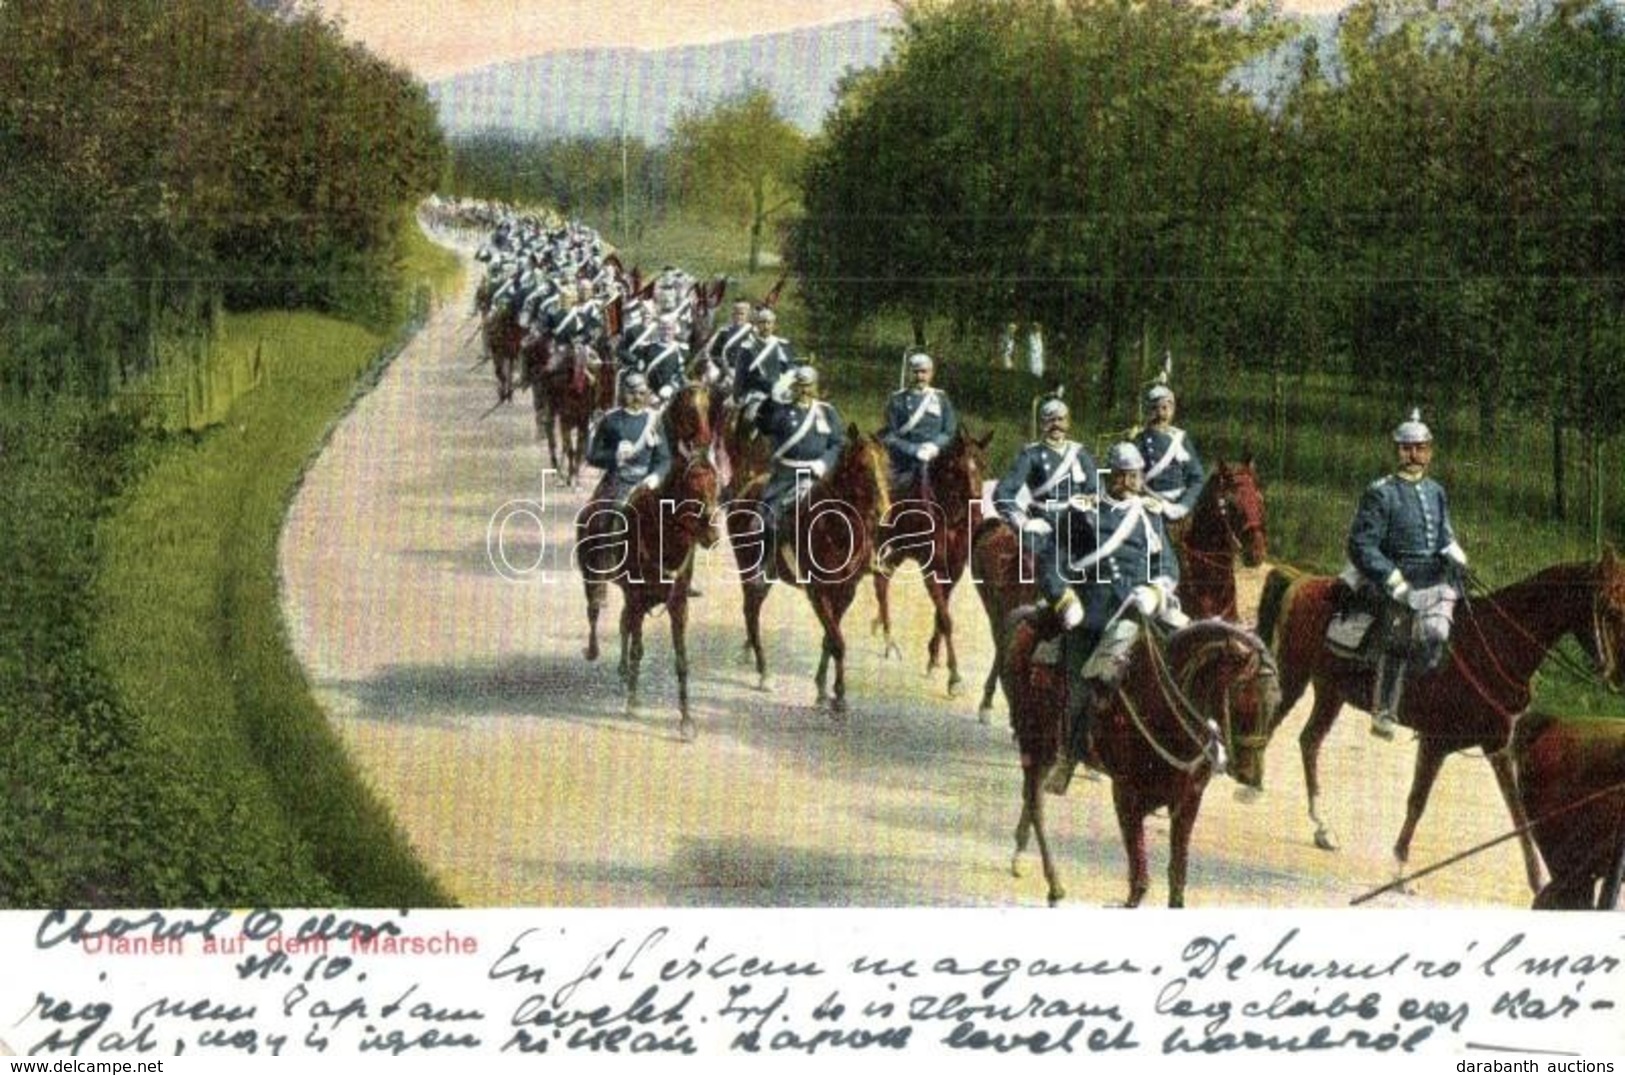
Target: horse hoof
{"type": "Point", "coordinates": [1325, 840]}
{"type": "Point", "coordinates": [956, 687]}
{"type": "Point", "coordinates": [1249, 795]}
{"type": "Point", "coordinates": [1056, 895]}
{"type": "Point", "coordinates": [591, 653]}
{"type": "Point", "coordinates": [984, 715]}
{"type": "Point", "coordinates": [1015, 865]}
{"type": "Point", "coordinates": [763, 686]}
{"type": "Point", "coordinates": [688, 729]}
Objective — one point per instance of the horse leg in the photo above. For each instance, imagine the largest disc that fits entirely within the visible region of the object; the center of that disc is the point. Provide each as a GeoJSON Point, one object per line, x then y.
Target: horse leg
{"type": "Point", "coordinates": [1506, 778]}
{"type": "Point", "coordinates": [882, 620]}
{"type": "Point", "coordinates": [595, 604]}
{"type": "Point", "coordinates": [677, 611]}
{"type": "Point", "coordinates": [1182, 824]}
{"type": "Point", "coordinates": [631, 652]}
{"type": "Point", "coordinates": [943, 631]}
{"type": "Point", "coordinates": [755, 594]}
{"type": "Point", "coordinates": [1032, 820]}
{"type": "Point", "coordinates": [1131, 823]}
{"type": "Point", "coordinates": [1429, 760]}
{"type": "Point", "coordinates": [984, 712]}
{"type": "Point", "coordinates": [839, 602]}
{"type": "Point", "coordinates": [1315, 729]}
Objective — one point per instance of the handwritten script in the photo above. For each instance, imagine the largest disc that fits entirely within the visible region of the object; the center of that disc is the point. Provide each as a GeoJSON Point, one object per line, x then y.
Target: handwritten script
{"type": "Point", "coordinates": [816, 983]}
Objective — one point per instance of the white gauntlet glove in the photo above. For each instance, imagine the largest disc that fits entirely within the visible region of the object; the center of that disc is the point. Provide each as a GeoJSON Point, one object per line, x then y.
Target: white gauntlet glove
{"type": "Point", "coordinates": [1174, 511]}
{"type": "Point", "coordinates": [651, 482]}
{"type": "Point", "coordinates": [1455, 554]}
{"type": "Point", "coordinates": [1146, 599]}
{"type": "Point", "coordinates": [625, 450]}
{"type": "Point", "coordinates": [925, 452]}
{"type": "Point", "coordinates": [1398, 588]}
{"type": "Point", "coordinates": [818, 468]}
{"type": "Point", "coordinates": [1035, 526]}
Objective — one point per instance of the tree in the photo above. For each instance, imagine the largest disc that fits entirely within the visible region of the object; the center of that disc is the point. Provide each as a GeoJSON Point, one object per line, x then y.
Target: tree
{"type": "Point", "coordinates": [739, 160]}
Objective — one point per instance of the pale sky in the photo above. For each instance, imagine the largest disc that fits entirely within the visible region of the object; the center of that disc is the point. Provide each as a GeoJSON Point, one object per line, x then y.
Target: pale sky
{"type": "Point", "coordinates": [438, 38]}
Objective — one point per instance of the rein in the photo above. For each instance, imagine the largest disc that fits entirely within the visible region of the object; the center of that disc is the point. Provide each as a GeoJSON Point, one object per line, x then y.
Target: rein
{"type": "Point", "coordinates": [1177, 696]}
{"type": "Point", "coordinates": [1486, 845]}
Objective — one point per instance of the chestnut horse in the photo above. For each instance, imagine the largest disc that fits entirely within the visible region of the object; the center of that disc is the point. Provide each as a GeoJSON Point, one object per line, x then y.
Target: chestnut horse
{"type": "Point", "coordinates": [1472, 700]}
{"type": "Point", "coordinates": [646, 547]}
{"type": "Point", "coordinates": [933, 527]}
{"type": "Point", "coordinates": [1152, 741]}
{"type": "Point", "coordinates": [1227, 521]}
{"type": "Point", "coordinates": [502, 334]}
{"type": "Point", "coordinates": [564, 393]}
{"type": "Point", "coordinates": [833, 530]}
{"type": "Point", "coordinates": [1571, 781]}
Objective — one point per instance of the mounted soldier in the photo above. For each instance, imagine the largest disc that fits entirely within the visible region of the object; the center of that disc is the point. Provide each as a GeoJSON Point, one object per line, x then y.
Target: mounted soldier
{"type": "Point", "coordinates": [1126, 565]}
{"type": "Point", "coordinates": [758, 371]}
{"type": "Point", "coordinates": [1173, 471]}
{"type": "Point", "coordinates": [807, 435]}
{"type": "Point", "coordinates": [732, 345]}
{"type": "Point", "coordinates": [920, 423]}
{"type": "Point", "coordinates": [1045, 496]}
{"type": "Point", "coordinates": [628, 446]}
{"type": "Point", "coordinates": [662, 361]}
{"type": "Point", "coordinates": [1405, 565]}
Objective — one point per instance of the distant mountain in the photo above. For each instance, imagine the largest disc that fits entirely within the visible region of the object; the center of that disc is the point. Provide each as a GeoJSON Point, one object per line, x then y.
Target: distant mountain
{"type": "Point", "coordinates": [589, 91]}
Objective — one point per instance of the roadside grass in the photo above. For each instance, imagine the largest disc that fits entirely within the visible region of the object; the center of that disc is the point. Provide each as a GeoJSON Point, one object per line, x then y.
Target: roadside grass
{"type": "Point", "coordinates": [1316, 448]}
{"type": "Point", "coordinates": [188, 625]}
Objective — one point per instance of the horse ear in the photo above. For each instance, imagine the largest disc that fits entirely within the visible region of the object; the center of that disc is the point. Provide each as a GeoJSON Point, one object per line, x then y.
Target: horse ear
{"type": "Point", "coordinates": [986, 439]}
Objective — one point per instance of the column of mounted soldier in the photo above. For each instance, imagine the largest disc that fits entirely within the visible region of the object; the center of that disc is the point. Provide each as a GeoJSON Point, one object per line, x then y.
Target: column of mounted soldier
{"type": "Point", "coordinates": [1099, 539]}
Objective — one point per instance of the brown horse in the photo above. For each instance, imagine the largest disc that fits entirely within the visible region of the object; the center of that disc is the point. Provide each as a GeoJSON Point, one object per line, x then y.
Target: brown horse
{"type": "Point", "coordinates": [1152, 740]}
{"type": "Point", "coordinates": [503, 336]}
{"type": "Point", "coordinates": [1571, 781]}
{"type": "Point", "coordinates": [933, 528]}
{"type": "Point", "coordinates": [1472, 700]}
{"type": "Point", "coordinates": [646, 547]}
{"type": "Point", "coordinates": [564, 394]}
{"type": "Point", "coordinates": [995, 570]}
{"type": "Point", "coordinates": [832, 533]}
{"type": "Point", "coordinates": [1227, 522]}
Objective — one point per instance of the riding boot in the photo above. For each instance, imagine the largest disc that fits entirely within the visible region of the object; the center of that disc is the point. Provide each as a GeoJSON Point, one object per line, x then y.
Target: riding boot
{"type": "Point", "coordinates": [1085, 699]}
{"type": "Point", "coordinates": [1390, 684]}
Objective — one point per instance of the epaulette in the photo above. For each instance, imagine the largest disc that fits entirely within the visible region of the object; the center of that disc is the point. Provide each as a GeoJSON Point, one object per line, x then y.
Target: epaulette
{"type": "Point", "coordinates": [1380, 482]}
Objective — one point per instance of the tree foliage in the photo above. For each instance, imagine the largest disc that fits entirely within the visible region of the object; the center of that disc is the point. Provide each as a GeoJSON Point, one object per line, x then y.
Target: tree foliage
{"type": "Point", "coordinates": [159, 158]}
{"type": "Point", "coordinates": [739, 159]}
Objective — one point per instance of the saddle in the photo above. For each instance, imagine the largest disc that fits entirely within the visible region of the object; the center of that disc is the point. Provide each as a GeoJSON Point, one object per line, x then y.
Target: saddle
{"type": "Point", "coordinates": [1366, 625]}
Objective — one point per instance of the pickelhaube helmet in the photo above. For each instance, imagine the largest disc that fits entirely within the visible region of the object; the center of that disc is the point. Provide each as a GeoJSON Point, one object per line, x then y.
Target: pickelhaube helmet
{"type": "Point", "coordinates": [634, 382]}
{"type": "Point", "coordinates": [805, 375]}
{"type": "Point", "coordinates": [919, 360]}
{"type": "Point", "coordinates": [1052, 408]}
{"type": "Point", "coordinates": [1412, 431]}
{"type": "Point", "coordinates": [1124, 456]}
{"type": "Point", "coordinates": [1156, 394]}
{"type": "Point", "coordinates": [766, 316]}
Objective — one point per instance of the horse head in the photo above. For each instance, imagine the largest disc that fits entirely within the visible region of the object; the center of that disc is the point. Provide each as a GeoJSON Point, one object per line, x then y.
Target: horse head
{"type": "Point", "coordinates": [1608, 620]}
{"type": "Point", "coordinates": [1238, 502]}
{"type": "Point", "coordinates": [957, 473]}
{"type": "Point", "coordinates": [860, 477]}
{"type": "Point", "coordinates": [687, 419]}
{"type": "Point", "coordinates": [1234, 680]}
{"type": "Point", "coordinates": [694, 481]}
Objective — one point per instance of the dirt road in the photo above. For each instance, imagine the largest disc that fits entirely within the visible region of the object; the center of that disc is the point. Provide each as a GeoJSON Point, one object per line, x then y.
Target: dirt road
{"type": "Point", "coordinates": [511, 764]}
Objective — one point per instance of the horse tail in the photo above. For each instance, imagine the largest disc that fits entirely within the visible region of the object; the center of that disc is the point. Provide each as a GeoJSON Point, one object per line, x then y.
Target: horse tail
{"type": "Point", "coordinates": [1272, 607]}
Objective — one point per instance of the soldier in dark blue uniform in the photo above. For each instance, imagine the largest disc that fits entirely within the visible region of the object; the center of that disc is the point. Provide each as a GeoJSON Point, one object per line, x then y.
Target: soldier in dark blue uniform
{"type": "Point", "coordinates": [628, 446]}
{"type": "Point", "coordinates": [662, 361]}
{"type": "Point", "coordinates": [1402, 550]}
{"type": "Point", "coordinates": [1128, 566]}
{"type": "Point", "coordinates": [1044, 496]}
{"type": "Point", "coordinates": [920, 422]}
{"type": "Point", "coordinates": [732, 345]}
{"type": "Point", "coordinates": [1173, 471]}
{"type": "Point", "coordinates": [807, 435]}
{"type": "Point", "coordinates": [758, 371]}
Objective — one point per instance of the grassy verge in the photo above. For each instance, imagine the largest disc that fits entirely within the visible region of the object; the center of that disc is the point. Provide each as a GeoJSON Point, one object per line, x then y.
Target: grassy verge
{"type": "Point", "coordinates": [188, 627]}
